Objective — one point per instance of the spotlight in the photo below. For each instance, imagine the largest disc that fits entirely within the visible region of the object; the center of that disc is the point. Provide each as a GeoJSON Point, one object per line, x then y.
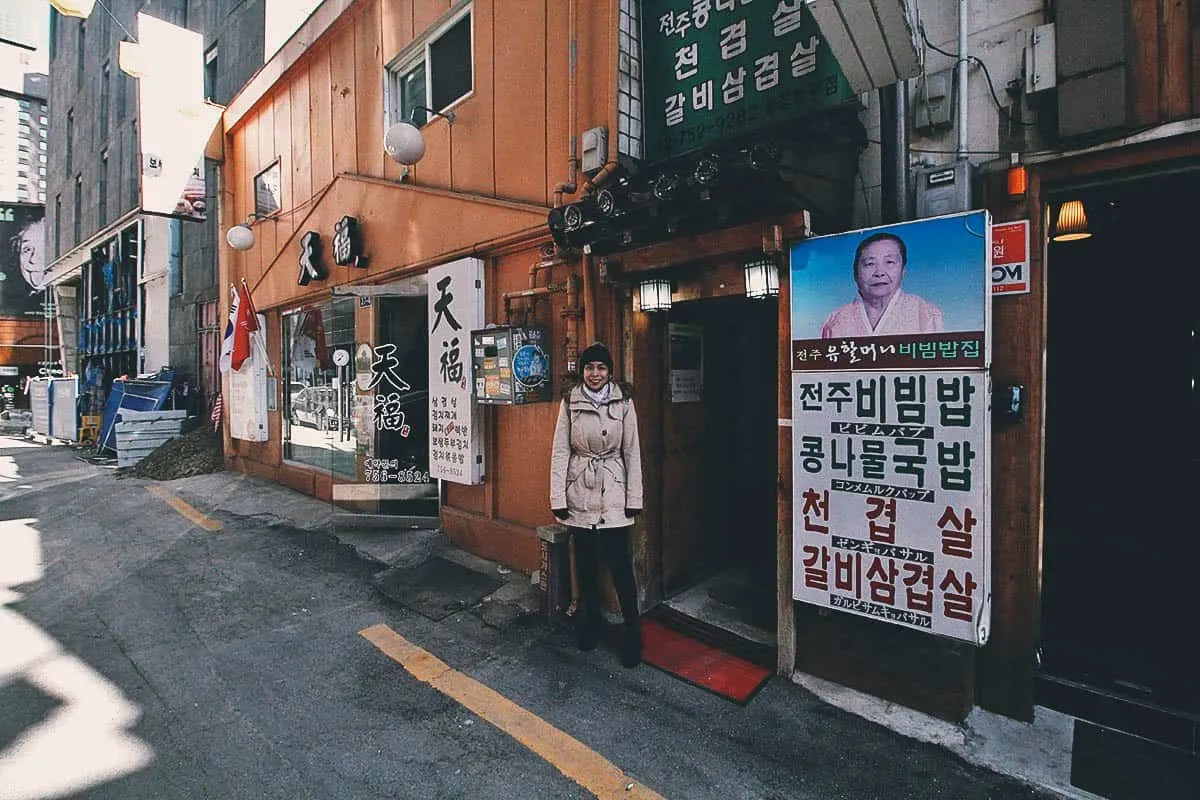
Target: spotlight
{"type": "Point", "coordinates": [764, 155]}
{"type": "Point", "coordinates": [707, 170]}
{"type": "Point", "coordinates": [666, 185]}
{"type": "Point", "coordinates": [573, 218]}
{"type": "Point", "coordinates": [608, 204]}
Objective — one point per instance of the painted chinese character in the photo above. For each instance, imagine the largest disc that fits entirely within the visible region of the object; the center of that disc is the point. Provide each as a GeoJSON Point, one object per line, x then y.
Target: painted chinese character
{"type": "Point", "coordinates": [311, 267]}
{"type": "Point", "coordinates": [384, 366]}
{"type": "Point", "coordinates": [442, 306]}
{"type": "Point", "coordinates": [452, 367]}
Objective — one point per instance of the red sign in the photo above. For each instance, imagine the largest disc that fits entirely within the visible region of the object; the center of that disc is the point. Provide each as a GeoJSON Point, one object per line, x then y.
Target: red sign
{"type": "Point", "coordinates": [1010, 257]}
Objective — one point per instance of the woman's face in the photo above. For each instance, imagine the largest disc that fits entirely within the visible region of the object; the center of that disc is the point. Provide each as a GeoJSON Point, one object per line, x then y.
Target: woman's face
{"type": "Point", "coordinates": [879, 270]}
{"type": "Point", "coordinates": [595, 375]}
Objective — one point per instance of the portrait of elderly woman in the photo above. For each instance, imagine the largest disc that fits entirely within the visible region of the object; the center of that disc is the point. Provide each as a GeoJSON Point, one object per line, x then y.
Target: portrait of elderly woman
{"type": "Point", "coordinates": [882, 307]}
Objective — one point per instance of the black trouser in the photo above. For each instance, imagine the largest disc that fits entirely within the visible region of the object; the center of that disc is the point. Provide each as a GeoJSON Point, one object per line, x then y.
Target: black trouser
{"type": "Point", "coordinates": [613, 545]}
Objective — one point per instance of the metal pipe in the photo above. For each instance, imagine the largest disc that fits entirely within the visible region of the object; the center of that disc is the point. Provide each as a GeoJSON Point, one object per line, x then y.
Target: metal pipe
{"type": "Point", "coordinates": [589, 300]}
{"type": "Point", "coordinates": [570, 186]}
{"type": "Point", "coordinates": [889, 201]}
{"type": "Point", "coordinates": [902, 177]}
{"type": "Point", "coordinates": [962, 79]}
{"type": "Point", "coordinates": [571, 314]}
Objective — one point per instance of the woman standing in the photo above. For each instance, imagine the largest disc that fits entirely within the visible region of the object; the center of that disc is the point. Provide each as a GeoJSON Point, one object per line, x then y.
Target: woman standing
{"type": "Point", "coordinates": [596, 489]}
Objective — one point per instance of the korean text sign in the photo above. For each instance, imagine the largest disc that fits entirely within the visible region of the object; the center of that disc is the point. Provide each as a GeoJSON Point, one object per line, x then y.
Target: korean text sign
{"type": "Point", "coordinates": [1010, 257]}
{"type": "Point", "coordinates": [455, 432]}
{"type": "Point", "coordinates": [910, 296]}
{"type": "Point", "coordinates": [891, 477]}
{"type": "Point", "coordinates": [720, 69]}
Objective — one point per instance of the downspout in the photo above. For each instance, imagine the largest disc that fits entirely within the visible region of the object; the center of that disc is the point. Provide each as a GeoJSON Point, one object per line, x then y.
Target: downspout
{"type": "Point", "coordinates": [901, 154]}
{"type": "Point", "coordinates": [962, 79]}
{"type": "Point", "coordinates": [589, 300]}
{"type": "Point", "coordinates": [570, 186]}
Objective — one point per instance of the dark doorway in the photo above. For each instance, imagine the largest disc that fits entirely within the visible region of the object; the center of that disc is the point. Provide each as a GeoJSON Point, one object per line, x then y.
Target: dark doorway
{"type": "Point", "coordinates": [1122, 451]}
{"type": "Point", "coordinates": [720, 467]}
{"type": "Point", "coordinates": [400, 381]}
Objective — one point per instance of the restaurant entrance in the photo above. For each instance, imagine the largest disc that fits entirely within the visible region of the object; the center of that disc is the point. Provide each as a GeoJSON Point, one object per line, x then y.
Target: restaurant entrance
{"type": "Point", "coordinates": [719, 464]}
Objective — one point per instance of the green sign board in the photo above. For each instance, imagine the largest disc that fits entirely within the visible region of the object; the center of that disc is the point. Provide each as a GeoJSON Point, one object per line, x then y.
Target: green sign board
{"type": "Point", "coordinates": [720, 69]}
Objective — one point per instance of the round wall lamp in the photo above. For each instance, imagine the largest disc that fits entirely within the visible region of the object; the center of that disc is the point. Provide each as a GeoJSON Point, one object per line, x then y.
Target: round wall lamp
{"type": "Point", "coordinates": [403, 141]}
{"type": "Point", "coordinates": [240, 237]}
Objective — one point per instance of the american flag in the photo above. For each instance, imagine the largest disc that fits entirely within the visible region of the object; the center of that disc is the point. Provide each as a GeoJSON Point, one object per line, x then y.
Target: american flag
{"type": "Point", "coordinates": [218, 409]}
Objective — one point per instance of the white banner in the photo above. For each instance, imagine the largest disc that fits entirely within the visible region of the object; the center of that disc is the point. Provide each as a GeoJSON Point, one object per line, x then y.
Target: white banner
{"type": "Point", "coordinates": [248, 395]}
{"type": "Point", "coordinates": [891, 481]}
{"type": "Point", "coordinates": [455, 432]}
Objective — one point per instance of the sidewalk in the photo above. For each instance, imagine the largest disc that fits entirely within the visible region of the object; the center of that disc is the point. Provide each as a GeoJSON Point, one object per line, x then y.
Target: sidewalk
{"type": "Point", "coordinates": [422, 569]}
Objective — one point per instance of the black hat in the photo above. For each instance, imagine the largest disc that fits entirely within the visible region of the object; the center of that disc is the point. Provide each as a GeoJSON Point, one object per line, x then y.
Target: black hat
{"type": "Point", "coordinates": [597, 351]}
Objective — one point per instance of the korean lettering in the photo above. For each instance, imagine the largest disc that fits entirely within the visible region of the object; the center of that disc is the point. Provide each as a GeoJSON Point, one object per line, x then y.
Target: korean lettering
{"type": "Point", "coordinates": [687, 61]}
{"type": "Point", "coordinates": [787, 17]}
{"type": "Point", "coordinates": [700, 11]}
{"type": "Point", "coordinates": [804, 58]}
{"type": "Point", "coordinates": [948, 349]}
{"type": "Point", "coordinates": [915, 577]}
{"type": "Point", "coordinates": [702, 95]}
{"type": "Point", "coordinates": [733, 39]}
{"type": "Point", "coordinates": [956, 532]}
{"type": "Point", "coordinates": [831, 353]}
{"type": "Point", "coordinates": [911, 463]}
{"type": "Point", "coordinates": [970, 349]}
{"type": "Point", "coordinates": [874, 459]}
{"type": "Point", "coordinates": [847, 572]}
{"type": "Point", "coordinates": [954, 401]}
{"type": "Point", "coordinates": [838, 393]}
{"type": "Point", "coordinates": [730, 5]}
{"type": "Point", "coordinates": [811, 453]}
{"type": "Point", "coordinates": [872, 398]}
{"type": "Point", "coordinates": [672, 23]}
{"type": "Point", "coordinates": [910, 398]}
{"type": "Point", "coordinates": [882, 580]}
{"type": "Point", "coordinates": [810, 396]}
{"type": "Point", "coordinates": [816, 566]}
{"type": "Point", "coordinates": [666, 24]}
{"type": "Point", "coordinates": [846, 464]}
{"type": "Point", "coordinates": [818, 506]}
{"type": "Point", "coordinates": [954, 459]}
{"type": "Point", "coordinates": [674, 109]}
{"type": "Point", "coordinates": [927, 350]}
{"type": "Point", "coordinates": [958, 600]}
{"type": "Point", "coordinates": [878, 507]}
{"type": "Point", "coordinates": [850, 348]}
{"type": "Point", "coordinates": [766, 73]}
{"type": "Point", "coordinates": [733, 87]}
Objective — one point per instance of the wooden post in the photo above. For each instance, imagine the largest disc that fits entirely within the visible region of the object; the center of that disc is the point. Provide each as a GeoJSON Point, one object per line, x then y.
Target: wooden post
{"type": "Point", "coordinates": [785, 606]}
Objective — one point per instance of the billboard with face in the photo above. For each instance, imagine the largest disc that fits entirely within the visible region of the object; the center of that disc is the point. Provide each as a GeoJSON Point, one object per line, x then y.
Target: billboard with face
{"type": "Point", "coordinates": [22, 259]}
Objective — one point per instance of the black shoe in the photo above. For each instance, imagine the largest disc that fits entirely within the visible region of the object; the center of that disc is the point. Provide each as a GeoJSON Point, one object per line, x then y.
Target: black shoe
{"type": "Point", "coordinates": [631, 645]}
{"type": "Point", "coordinates": [588, 635]}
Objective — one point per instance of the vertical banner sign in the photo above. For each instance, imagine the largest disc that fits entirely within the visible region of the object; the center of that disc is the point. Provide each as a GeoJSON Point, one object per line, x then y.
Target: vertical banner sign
{"type": "Point", "coordinates": [891, 424]}
{"type": "Point", "coordinates": [1010, 257]}
{"type": "Point", "coordinates": [248, 392]}
{"type": "Point", "coordinates": [717, 71]}
{"type": "Point", "coordinates": [455, 432]}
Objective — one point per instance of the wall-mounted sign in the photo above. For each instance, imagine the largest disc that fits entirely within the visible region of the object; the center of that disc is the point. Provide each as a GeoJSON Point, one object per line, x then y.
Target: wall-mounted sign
{"type": "Point", "coordinates": [455, 430]}
{"type": "Point", "coordinates": [312, 263]}
{"type": "Point", "coordinates": [22, 259]}
{"type": "Point", "coordinates": [687, 363]}
{"type": "Point", "coordinates": [512, 365]}
{"type": "Point", "coordinates": [1010, 257]}
{"type": "Point", "coordinates": [909, 296]}
{"type": "Point", "coordinates": [347, 244]}
{"type": "Point", "coordinates": [718, 71]}
{"type": "Point", "coordinates": [891, 496]}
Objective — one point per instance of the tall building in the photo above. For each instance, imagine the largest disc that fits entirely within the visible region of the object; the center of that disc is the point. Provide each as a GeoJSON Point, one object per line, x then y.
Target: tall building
{"type": "Point", "coordinates": [136, 292]}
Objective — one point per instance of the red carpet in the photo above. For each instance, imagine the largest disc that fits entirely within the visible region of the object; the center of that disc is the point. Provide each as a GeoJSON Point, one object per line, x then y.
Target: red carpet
{"type": "Point", "coordinates": [701, 665]}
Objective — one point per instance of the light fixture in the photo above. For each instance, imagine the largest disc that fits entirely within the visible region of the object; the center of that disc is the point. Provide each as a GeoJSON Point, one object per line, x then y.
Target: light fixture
{"type": "Point", "coordinates": [1018, 179]}
{"type": "Point", "coordinates": [241, 237]}
{"type": "Point", "coordinates": [1072, 222]}
{"type": "Point", "coordinates": [665, 185]}
{"type": "Point", "coordinates": [73, 8]}
{"type": "Point", "coordinates": [654, 294]}
{"type": "Point", "coordinates": [707, 170]}
{"type": "Point", "coordinates": [608, 204]}
{"type": "Point", "coordinates": [762, 278]}
{"type": "Point", "coordinates": [403, 141]}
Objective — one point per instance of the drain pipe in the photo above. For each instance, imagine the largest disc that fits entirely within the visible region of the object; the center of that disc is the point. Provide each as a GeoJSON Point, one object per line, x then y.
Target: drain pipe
{"type": "Point", "coordinates": [962, 79]}
{"type": "Point", "coordinates": [570, 185]}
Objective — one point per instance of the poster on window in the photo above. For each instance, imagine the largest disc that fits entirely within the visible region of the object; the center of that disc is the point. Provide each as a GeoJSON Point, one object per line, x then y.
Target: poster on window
{"type": "Point", "coordinates": [891, 517]}
{"type": "Point", "coordinates": [455, 432]}
{"type": "Point", "coordinates": [916, 295]}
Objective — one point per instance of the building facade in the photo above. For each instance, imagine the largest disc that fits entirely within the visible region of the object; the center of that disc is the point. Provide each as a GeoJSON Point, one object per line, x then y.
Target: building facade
{"type": "Point", "coordinates": [570, 160]}
{"type": "Point", "coordinates": [135, 292]}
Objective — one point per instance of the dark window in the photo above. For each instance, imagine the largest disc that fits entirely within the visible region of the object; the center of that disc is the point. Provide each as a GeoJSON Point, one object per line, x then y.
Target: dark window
{"type": "Point", "coordinates": [102, 189]}
{"type": "Point", "coordinates": [79, 56]}
{"type": "Point", "coordinates": [412, 95]}
{"type": "Point", "coordinates": [78, 209]}
{"type": "Point", "coordinates": [70, 137]}
{"type": "Point", "coordinates": [105, 79]}
{"type": "Point", "coordinates": [57, 225]}
{"type": "Point", "coordinates": [210, 74]}
{"type": "Point", "coordinates": [122, 95]}
{"type": "Point", "coordinates": [450, 63]}
{"type": "Point", "coordinates": [53, 33]}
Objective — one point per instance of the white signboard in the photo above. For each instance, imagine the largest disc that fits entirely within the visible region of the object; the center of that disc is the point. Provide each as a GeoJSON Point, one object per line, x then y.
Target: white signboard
{"type": "Point", "coordinates": [455, 429]}
{"type": "Point", "coordinates": [891, 476]}
{"type": "Point", "coordinates": [687, 363]}
{"type": "Point", "coordinates": [248, 396]}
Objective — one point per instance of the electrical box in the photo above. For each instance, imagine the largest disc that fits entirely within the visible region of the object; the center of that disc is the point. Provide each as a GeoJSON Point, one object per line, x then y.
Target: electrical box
{"type": "Point", "coordinates": [1041, 59]}
{"type": "Point", "coordinates": [933, 105]}
{"type": "Point", "coordinates": [594, 152]}
{"type": "Point", "coordinates": [512, 365]}
{"type": "Point", "coordinates": [945, 189]}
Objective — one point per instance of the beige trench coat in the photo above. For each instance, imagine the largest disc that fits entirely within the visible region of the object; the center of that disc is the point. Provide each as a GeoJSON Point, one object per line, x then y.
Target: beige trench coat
{"type": "Point", "coordinates": [596, 461]}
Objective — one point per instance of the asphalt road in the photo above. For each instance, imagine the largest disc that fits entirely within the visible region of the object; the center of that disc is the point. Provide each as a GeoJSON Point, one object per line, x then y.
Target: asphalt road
{"type": "Point", "coordinates": [143, 656]}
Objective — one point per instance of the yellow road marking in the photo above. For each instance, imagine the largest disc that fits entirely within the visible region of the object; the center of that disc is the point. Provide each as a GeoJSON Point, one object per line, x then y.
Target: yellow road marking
{"type": "Point", "coordinates": [184, 509]}
{"type": "Point", "coordinates": [566, 754]}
